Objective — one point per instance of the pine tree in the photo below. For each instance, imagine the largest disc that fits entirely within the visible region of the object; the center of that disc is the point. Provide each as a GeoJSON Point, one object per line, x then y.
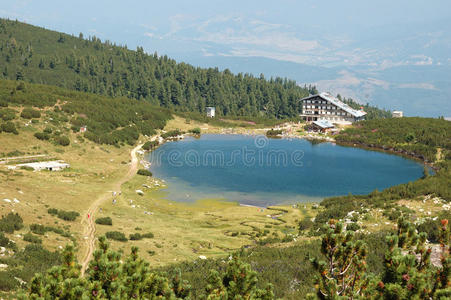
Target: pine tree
{"type": "Point", "coordinates": [408, 272]}
{"type": "Point", "coordinates": [239, 282]}
{"type": "Point", "coordinates": [61, 282]}
{"type": "Point", "coordinates": [342, 274]}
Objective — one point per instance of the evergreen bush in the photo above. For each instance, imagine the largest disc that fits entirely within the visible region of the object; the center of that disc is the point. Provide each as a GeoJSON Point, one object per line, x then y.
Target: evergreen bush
{"type": "Point", "coordinates": [29, 113]}
{"type": "Point", "coordinates": [116, 235]}
{"type": "Point", "coordinates": [42, 136]}
{"type": "Point", "coordinates": [144, 172]}
{"type": "Point", "coordinates": [62, 140]}
{"type": "Point", "coordinates": [104, 221]}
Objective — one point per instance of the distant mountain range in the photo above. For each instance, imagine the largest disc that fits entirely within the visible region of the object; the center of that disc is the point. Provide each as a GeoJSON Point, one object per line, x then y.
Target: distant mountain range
{"type": "Point", "coordinates": [400, 67]}
{"type": "Point", "coordinates": [417, 90]}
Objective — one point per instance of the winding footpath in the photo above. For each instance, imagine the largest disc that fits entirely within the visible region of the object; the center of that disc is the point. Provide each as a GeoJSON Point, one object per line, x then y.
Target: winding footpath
{"type": "Point", "coordinates": [88, 222]}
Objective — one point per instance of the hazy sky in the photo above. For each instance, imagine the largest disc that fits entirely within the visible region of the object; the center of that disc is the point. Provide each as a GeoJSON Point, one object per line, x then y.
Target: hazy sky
{"type": "Point", "coordinates": [312, 32]}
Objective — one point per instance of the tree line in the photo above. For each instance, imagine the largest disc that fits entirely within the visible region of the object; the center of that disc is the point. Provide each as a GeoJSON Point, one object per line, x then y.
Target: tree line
{"type": "Point", "coordinates": [42, 56]}
{"type": "Point", "coordinates": [38, 55]}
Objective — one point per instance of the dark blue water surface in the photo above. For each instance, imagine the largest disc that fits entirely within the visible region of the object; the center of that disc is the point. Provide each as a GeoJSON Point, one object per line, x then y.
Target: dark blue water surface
{"type": "Point", "coordinates": [259, 171]}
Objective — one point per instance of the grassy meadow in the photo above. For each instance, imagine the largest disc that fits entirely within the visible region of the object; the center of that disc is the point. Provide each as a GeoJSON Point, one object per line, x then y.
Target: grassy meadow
{"type": "Point", "coordinates": [181, 231]}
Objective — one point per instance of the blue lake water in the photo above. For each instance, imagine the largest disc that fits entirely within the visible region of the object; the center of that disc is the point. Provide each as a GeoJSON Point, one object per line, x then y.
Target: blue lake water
{"type": "Point", "coordinates": [259, 171]}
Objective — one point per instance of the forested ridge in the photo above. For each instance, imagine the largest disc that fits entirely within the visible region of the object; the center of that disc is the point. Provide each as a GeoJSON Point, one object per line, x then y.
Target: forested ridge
{"type": "Point", "coordinates": [38, 55]}
{"type": "Point", "coordinates": [413, 136]}
{"type": "Point", "coordinates": [372, 112]}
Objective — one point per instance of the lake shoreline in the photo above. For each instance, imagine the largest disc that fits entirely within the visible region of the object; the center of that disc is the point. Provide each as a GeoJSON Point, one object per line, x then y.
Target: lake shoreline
{"type": "Point", "coordinates": [307, 190]}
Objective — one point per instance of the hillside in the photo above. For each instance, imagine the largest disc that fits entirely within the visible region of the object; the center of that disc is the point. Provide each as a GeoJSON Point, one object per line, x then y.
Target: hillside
{"type": "Point", "coordinates": [52, 207]}
{"type": "Point", "coordinates": [113, 121]}
{"type": "Point", "coordinates": [38, 55]}
{"type": "Point", "coordinates": [55, 84]}
{"type": "Point", "coordinates": [425, 139]}
{"type": "Point", "coordinates": [41, 212]}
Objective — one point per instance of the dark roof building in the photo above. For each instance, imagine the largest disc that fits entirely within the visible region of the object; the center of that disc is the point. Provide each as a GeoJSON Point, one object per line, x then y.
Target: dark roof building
{"type": "Point", "coordinates": [324, 106]}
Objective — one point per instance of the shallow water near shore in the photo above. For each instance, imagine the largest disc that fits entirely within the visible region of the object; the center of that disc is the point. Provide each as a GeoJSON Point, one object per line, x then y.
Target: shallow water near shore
{"type": "Point", "coordinates": [258, 171]}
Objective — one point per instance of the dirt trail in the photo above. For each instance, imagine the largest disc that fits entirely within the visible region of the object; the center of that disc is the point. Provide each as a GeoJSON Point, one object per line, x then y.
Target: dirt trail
{"type": "Point", "coordinates": [89, 223]}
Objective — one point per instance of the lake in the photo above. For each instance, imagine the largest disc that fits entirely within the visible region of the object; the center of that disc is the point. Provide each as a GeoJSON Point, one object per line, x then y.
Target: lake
{"type": "Point", "coordinates": [259, 171]}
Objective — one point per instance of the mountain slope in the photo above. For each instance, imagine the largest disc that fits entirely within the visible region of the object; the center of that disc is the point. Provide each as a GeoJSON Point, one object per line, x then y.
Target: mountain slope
{"type": "Point", "coordinates": [38, 55]}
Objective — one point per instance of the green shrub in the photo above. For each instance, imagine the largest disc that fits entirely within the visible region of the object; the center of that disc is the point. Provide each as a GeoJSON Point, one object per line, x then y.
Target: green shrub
{"type": "Point", "coordinates": [44, 136]}
{"type": "Point", "coordinates": [7, 281]}
{"type": "Point", "coordinates": [38, 229]}
{"type": "Point", "coordinates": [172, 133]}
{"type": "Point", "coordinates": [150, 145]}
{"type": "Point", "coordinates": [67, 215]}
{"type": "Point", "coordinates": [144, 172]}
{"type": "Point", "coordinates": [287, 239]}
{"type": "Point", "coordinates": [62, 140]}
{"type": "Point", "coordinates": [116, 235]}
{"type": "Point", "coordinates": [7, 114]}
{"type": "Point", "coordinates": [3, 103]}
{"type": "Point", "coordinates": [4, 241]}
{"type": "Point", "coordinates": [29, 113]}
{"type": "Point", "coordinates": [48, 130]}
{"type": "Point", "coordinates": [57, 231]}
{"type": "Point", "coordinates": [135, 237]}
{"type": "Point", "coordinates": [273, 132]}
{"type": "Point", "coordinates": [15, 153]}
{"type": "Point", "coordinates": [305, 224]}
{"type": "Point", "coordinates": [352, 227]}
{"type": "Point", "coordinates": [148, 235]}
{"type": "Point", "coordinates": [104, 221]}
{"type": "Point", "coordinates": [52, 211]}
{"type": "Point", "coordinates": [24, 264]}
{"type": "Point", "coordinates": [9, 127]}
{"type": "Point", "coordinates": [431, 228]}
{"type": "Point", "coordinates": [29, 237]}
{"type": "Point", "coordinates": [195, 131]}
{"type": "Point", "coordinates": [11, 222]}
{"type": "Point", "coordinates": [64, 215]}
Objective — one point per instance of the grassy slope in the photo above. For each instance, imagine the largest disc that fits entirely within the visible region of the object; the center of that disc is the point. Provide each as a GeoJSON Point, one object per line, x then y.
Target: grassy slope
{"type": "Point", "coordinates": [93, 169]}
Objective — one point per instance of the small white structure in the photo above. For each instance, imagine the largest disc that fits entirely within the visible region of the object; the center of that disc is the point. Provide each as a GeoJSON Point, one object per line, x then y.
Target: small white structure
{"type": "Point", "coordinates": [83, 129]}
{"type": "Point", "coordinates": [397, 114]}
{"type": "Point", "coordinates": [55, 165]}
{"type": "Point", "coordinates": [210, 112]}
{"type": "Point", "coordinates": [321, 126]}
